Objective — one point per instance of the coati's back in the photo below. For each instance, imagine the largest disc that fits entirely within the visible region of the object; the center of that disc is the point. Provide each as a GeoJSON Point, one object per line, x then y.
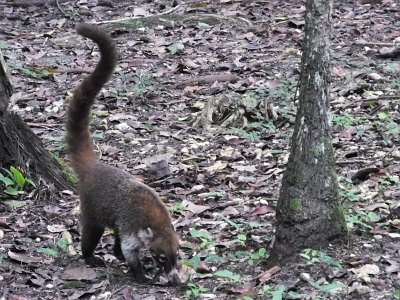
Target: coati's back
{"type": "Point", "coordinates": [118, 195]}
{"type": "Point", "coordinates": [110, 197]}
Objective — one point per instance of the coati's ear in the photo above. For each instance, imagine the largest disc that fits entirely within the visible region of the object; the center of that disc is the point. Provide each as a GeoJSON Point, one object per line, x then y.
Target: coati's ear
{"type": "Point", "coordinates": [145, 235]}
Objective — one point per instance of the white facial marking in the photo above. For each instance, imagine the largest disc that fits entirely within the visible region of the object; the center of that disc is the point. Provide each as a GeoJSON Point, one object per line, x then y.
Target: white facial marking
{"type": "Point", "coordinates": [145, 235]}
{"type": "Point", "coordinates": [130, 244]}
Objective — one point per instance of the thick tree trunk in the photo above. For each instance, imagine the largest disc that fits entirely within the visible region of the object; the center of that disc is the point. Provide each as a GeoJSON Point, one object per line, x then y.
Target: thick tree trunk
{"type": "Point", "coordinates": [309, 214]}
{"type": "Point", "coordinates": [20, 147]}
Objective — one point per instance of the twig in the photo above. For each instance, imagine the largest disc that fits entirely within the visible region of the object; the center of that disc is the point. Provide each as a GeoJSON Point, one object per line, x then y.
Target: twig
{"type": "Point", "coordinates": [60, 8]}
{"type": "Point", "coordinates": [375, 44]}
{"type": "Point", "coordinates": [348, 162]}
{"type": "Point", "coordinates": [42, 125]}
{"type": "Point", "coordinates": [133, 18]}
{"type": "Point", "coordinates": [387, 97]}
{"type": "Point", "coordinates": [21, 3]}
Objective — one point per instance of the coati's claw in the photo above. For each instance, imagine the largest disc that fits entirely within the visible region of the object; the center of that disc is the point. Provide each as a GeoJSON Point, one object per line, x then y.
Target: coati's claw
{"type": "Point", "coordinates": [95, 261]}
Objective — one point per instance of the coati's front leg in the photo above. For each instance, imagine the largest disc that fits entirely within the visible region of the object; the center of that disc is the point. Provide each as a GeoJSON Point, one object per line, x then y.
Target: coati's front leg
{"type": "Point", "coordinates": [135, 265]}
{"type": "Point", "coordinates": [130, 250]}
{"type": "Point", "coordinates": [90, 238]}
{"type": "Point", "coordinates": [117, 247]}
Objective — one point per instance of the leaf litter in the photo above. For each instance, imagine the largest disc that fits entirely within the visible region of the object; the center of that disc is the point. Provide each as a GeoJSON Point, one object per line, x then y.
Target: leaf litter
{"type": "Point", "coordinates": [231, 67]}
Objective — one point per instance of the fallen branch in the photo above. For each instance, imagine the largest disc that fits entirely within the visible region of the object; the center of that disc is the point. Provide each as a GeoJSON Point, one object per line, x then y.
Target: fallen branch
{"type": "Point", "coordinates": [375, 44]}
{"type": "Point", "coordinates": [209, 79]}
{"type": "Point", "coordinates": [139, 17]}
{"type": "Point", "coordinates": [21, 3]}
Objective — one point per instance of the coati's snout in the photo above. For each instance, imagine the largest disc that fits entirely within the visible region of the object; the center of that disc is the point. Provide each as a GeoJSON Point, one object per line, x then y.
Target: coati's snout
{"type": "Point", "coordinates": [164, 249]}
{"type": "Point", "coordinates": [169, 264]}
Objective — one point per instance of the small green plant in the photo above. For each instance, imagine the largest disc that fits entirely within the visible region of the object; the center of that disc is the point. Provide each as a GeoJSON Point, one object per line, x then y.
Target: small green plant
{"type": "Point", "coordinates": [48, 251]}
{"type": "Point", "coordinates": [215, 194]}
{"type": "Point", "coordinates": [241, 238]}
{"type": "Point", "coordinates": [252, 131]}
{"type": "Point", "coordinates": [362, 218]}
{"type": "Point", "coordinates": [177, 207]}
{"type": "Point", "coordinates": [14, 182]}
{"type": "Point", "coordinates": [63, 244]}
{"type": "Point", "coordinates": [32, 72]}
{"type": "Point", "coordinates": [252, 136]}
{"type": "Point", "coordinates": [277, 293]}
{"type": "Point", "coordinates": [145, 84]}
{"type": "Point", "coordinates": [2, 257]}
{"type": "Point", "coordinates": [66, 170]}
{"type": "Point", "coordinates": [344, 120]}
{"type": "Point", "coordinates": [226, 274]}
{"type": "Point", "coordinates": [194, 290]}
{"type": "Point", "coordinates": [203, 235]}
{"type": "Point", "coordinates": [265, 289]}
{"type": "Point", "coordinates": [230, 222]}
{"type": "Point", "coordinates": [193, 262]}
{"type": "Point", "coordinates": [396, 294]}
{"type": "Point", "coordinates": [257, 255]}
{"type": "Point", "coordinates": [58, 142]}
{"type": "Point", "coordinates": [214, 258]}
{"type": "Point", "coordinates": [132, 23]}
{"type": "Point", "coordinates": [325, 288]}
{"type": "Point", "coordinates": [349, 195]}
{"type": "Point", "coordinates": [316, 256]}
{"type": "Point", "coordinates": [251, 256]}
{"type": "Point", "coordinates": [284, 91]}
{"type": "Point", "coordinates": [176, 48]}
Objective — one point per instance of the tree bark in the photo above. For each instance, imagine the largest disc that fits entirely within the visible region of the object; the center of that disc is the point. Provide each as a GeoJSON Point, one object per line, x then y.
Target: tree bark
{"type": "Point", "coordinates": [309, 214]}
{"type": "Point", "coordinates": [20, 147]}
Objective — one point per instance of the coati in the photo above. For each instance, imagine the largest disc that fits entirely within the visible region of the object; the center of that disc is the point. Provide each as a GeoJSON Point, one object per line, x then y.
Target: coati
{"type": "Point", "coordinates": [110, 197]}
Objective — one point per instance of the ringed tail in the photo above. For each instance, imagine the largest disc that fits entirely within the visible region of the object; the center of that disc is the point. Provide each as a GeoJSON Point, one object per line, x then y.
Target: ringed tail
{"type": "Point", "coordinates": [78, 137]}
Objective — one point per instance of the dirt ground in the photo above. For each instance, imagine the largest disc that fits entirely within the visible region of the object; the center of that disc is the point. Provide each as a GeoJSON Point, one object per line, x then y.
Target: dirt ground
{"type": "Point", "coordinates": [220, 172]}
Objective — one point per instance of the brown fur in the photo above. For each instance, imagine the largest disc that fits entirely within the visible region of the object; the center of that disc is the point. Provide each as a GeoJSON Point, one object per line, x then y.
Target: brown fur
{"type": "Point", "coordinates": [110, 197]}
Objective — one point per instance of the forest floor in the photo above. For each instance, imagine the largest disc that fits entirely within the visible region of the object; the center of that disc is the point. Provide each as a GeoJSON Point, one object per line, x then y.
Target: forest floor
{"type": "Point", "coordinates": [221, 177]}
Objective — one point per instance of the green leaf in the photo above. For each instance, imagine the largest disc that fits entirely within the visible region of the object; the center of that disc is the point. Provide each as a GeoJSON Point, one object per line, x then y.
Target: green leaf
{"type": "Point", "coordinates": [14, 203]}
{"type": "Point", "coordinates": [242, 237]}
{"type": "Point", "coordinates": [228, 274]}
{"type": "Point", "coordinates": [11, 191]}
{"type": "Point", "coordinates": [28, 180]}
{"type": "Point", "coordinates": [230, 222]}
{"type": "Point", "coordinates": [327, 288]}
{"type": "Point", "coordinates": [18, 177]}
{"type": "Point", "coordinates": [214, 258]}
{"type": "Point", "coordinates": [278, 293]}
{"type": "Point", "coordinates": [6, 181]}
{"type": "Point", "coordinates": [62, 244]}
{"type": "Point", "coordinates": [113, 90]}
{"type": "Point", "coordinates": [175, 48]}
{"type": "Point", "coordinates": [326, 259]}
{"type": "Point", "coordinates": [48, 251]}
{"type": "Point", "coordinates": [396, 294]}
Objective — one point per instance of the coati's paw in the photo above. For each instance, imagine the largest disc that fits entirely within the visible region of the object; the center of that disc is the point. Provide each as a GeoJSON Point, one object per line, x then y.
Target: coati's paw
{"type": "Point", "coordinates": [118, 254]}
{"type": "Point", "coordinates": [94, 261]}
{"type": "Point", "coordinates": [139, 276]}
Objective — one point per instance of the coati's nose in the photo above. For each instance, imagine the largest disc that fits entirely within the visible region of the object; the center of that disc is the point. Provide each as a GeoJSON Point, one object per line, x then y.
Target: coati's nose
{"type": "Point", "coordinates": [173, 276]}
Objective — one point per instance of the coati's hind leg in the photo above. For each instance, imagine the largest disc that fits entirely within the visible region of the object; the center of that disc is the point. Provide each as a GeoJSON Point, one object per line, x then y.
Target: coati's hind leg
{"type": "Point", "coordinates": [90, 238]}
{"type": "Point", "coordinates": [117, 247]}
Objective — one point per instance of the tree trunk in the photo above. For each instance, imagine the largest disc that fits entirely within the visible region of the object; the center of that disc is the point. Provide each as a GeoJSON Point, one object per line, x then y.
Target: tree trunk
{"type": "Point", "coordinates": [20, 147]}
{"type": "Point", "coordinates": [309, 214]}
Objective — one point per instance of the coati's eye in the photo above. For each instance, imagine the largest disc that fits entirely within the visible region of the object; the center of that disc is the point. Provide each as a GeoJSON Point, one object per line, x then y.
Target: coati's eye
{"type": "Point", "coordinates": [161, 258]}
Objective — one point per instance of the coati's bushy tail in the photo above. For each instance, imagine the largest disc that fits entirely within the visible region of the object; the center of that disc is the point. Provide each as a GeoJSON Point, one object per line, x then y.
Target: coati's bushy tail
{"type": "Point", "coordinates": [78, 136]}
